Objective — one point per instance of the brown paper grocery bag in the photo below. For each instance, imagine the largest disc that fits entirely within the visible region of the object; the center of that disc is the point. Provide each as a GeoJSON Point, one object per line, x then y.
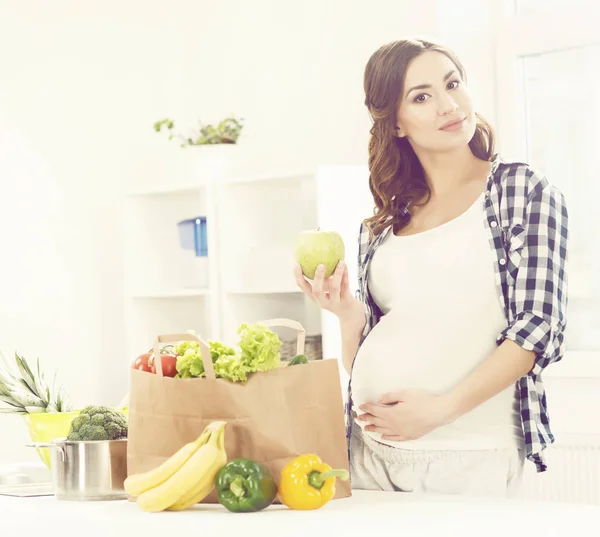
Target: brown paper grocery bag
{"type": "Point", "coordinates": [272, 418]}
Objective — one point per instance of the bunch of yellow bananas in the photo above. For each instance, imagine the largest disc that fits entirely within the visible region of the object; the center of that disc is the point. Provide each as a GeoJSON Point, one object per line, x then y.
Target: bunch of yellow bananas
{"type": "Point", "coordinates": [186, 478]}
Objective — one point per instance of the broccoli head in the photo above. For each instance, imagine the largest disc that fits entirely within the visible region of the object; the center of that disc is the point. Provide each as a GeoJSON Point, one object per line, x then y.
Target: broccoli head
{"type": "Point", "coordinates": [98, 423]}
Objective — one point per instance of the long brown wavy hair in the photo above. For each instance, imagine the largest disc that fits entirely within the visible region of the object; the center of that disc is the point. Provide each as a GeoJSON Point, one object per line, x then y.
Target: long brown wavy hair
{"type": "Point", "coordinates": [396, 176]}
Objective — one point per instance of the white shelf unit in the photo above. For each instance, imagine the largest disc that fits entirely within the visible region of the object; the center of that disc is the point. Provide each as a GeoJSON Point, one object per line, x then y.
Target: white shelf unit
{"type": "Point", "coordinates": [259, 221]}
{"type": "Point", "coordinates": [162, 292]}
{"type": "Point", "coordinates": [252, 222]}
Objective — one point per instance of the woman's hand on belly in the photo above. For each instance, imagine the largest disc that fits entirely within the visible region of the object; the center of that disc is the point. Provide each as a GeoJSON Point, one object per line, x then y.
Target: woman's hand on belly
{"type": "Point", "coordinates": [405, 415]}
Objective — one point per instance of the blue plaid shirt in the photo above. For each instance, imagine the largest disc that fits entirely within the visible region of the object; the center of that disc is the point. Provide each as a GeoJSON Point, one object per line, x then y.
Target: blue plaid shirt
{"type": "Point", "coordinates": [526, 218]}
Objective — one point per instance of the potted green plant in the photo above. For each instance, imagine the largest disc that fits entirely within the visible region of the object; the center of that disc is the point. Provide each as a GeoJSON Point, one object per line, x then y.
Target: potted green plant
{"type": "Point", "coordinates": [226, 131]}
{"type": "Point", "coordinates": [216, 146]}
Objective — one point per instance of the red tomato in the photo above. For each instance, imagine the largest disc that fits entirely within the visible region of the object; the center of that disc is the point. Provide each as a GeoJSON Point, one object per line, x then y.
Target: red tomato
{"type": "Point", "coordinates": [141, 362]}
{"type": "Point", "coordinates": [169, 365]}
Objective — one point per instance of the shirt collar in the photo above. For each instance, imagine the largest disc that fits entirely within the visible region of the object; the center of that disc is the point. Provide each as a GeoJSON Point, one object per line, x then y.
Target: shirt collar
{"type": "Point", "coordinates": [497, 160]}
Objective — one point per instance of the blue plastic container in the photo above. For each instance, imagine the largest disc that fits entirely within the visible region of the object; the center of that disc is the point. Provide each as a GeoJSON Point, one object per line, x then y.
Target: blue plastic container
{"type": "Point", "coordinates": [192, 235]}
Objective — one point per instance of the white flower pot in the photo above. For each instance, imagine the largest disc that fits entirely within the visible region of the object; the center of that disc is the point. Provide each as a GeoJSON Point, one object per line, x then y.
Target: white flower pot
{"type": "Point", "coordinates": [207, 163]}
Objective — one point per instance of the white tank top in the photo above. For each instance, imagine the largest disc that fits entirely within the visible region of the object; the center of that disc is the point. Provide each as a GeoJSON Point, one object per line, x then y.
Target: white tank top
{"type": "Point", "coordinates": [442, 314]}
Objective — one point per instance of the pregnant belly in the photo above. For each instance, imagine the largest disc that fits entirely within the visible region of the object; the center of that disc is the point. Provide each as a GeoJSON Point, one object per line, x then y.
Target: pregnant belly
{"type": "Point", "coordinates": [398, 354]}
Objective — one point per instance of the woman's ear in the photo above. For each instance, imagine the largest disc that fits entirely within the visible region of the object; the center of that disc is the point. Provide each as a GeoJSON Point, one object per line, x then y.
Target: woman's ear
{"type": "Point", "coordinates": [399, 132]}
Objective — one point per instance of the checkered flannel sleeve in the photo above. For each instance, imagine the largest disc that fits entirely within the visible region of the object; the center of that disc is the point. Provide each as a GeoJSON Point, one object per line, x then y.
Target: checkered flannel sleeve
{"type": "Point", "coordinates": [537, 259]}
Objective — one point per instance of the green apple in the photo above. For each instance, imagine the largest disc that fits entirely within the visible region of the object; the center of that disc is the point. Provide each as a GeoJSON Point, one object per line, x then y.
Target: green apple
{"type": "Point", "coordinates": [315, 247]}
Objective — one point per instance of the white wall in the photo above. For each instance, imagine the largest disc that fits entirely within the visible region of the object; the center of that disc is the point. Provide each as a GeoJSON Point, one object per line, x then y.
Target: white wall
{"type": "Point", "coordinates": [82, 84]}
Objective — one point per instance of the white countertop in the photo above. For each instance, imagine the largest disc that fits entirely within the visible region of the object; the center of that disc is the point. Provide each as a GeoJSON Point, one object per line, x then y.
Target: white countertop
{"type": "Point", "coordinates": [400, 513]}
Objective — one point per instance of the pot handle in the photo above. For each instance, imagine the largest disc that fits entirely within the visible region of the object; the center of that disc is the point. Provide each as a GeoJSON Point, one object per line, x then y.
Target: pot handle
{"type": "Point", "coordinates": [40, 445]}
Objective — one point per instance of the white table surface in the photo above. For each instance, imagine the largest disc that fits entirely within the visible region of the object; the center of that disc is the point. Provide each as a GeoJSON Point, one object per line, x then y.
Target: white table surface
{"type": "Point", "coordinates": [366, 511]}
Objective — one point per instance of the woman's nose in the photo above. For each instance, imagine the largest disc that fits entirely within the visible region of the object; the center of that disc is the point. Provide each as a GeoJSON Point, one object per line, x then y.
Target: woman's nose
{"type": "Point", "coordinates": [447, 105]}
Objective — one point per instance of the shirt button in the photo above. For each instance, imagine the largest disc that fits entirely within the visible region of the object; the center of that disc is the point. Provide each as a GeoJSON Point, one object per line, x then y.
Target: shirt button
{"type": "Point", "coordinates": [493, 223]}
{"type": "Point", "coordinates": [488, 193]}
{"type": "Point", "coordinates": [503, 261]}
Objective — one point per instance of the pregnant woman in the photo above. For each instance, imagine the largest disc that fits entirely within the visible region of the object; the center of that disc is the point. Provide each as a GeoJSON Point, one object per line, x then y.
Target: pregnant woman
{"type": "Point", "coordinates": [461, 294]}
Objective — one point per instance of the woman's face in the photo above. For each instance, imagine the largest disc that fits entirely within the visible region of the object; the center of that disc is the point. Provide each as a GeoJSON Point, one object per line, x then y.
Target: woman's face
{"type": "Point", "coordinates": [435, 112]}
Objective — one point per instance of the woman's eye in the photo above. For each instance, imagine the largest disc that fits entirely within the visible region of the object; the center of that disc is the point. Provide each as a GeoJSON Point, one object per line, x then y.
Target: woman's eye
{"type": "Point", "coordinates": [422, 97]}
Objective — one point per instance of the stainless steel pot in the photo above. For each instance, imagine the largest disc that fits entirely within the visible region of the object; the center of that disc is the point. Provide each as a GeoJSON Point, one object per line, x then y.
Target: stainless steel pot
{"type": "Point", "coordinates": [88, 470]}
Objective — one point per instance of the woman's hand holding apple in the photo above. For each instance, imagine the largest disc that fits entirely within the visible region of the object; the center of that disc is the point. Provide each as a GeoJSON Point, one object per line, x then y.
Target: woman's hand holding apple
{"type": "Point", "coordinates": [332, 294]}
{"type": "Point", "coordinates": [323, 276]}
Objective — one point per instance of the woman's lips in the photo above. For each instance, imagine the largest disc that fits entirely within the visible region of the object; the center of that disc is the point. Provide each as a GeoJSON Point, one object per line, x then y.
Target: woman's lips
{"type": "Point", "coordinates": [453, 126]}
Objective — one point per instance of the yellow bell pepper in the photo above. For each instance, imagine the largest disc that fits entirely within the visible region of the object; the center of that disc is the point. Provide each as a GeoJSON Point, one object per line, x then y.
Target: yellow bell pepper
{"type": "Point", "coordinates": [308, 483]}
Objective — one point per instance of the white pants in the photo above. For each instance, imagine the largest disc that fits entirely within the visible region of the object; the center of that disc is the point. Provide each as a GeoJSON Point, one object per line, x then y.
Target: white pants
{"type": "Point", "coordinates": [376, 466]}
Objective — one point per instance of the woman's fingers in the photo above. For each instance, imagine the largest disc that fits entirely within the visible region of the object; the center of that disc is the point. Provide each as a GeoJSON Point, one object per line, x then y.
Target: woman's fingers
{"type": "Point", "coordinates": [335, 283]}
{"type": "Point", "coordinates": [345, 285]}
{"type": "Point", "coordinates": [326, 292]}
{"type": "Point", "coordinates": [318, 286]}
{"type": "Point", "coordinates": [372, 420]}
{"type": "Point", "coordinates": [305, 286]}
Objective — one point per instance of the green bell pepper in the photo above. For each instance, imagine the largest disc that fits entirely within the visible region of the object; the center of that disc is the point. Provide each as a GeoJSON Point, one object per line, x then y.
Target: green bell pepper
{"type": "Point", "coordinates": [245, 486]}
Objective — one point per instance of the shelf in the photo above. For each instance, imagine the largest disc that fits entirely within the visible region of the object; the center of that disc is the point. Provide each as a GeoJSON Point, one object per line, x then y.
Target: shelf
{"type": "Point", "coordinates": [253, 218]}
{"type": "Point", "coordinates": [260, 232]}
{"type": "Point", "coordinates": [181, 293]}
{"type": "Point", "coordinates": [226, 181]}
{"type": "Point", "coordinates": [157, 264]}
{"type": "Point", "coordinates": [264, 291]}
{"type": "Point", "coordinates": [166, 190]}
{"type": "Point", "coordinates": [255, 307]}
{"type": "Point", "coordinates": [176, 314]}
{"type": "Point", "coordinates": [265, 177]}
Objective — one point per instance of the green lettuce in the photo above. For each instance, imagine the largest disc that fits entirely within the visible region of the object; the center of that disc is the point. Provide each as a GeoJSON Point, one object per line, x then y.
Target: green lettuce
{"type": "Point", "coordinates": [189, 363]}
{"type": "Point", "coordinates": [260, 347]}
{"type": "Point", "coordinates": [218, 350]}
{"type": "Point", "coordinates": [259, 350]}
{"type": "Point", "coordinates": [231, 368]}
